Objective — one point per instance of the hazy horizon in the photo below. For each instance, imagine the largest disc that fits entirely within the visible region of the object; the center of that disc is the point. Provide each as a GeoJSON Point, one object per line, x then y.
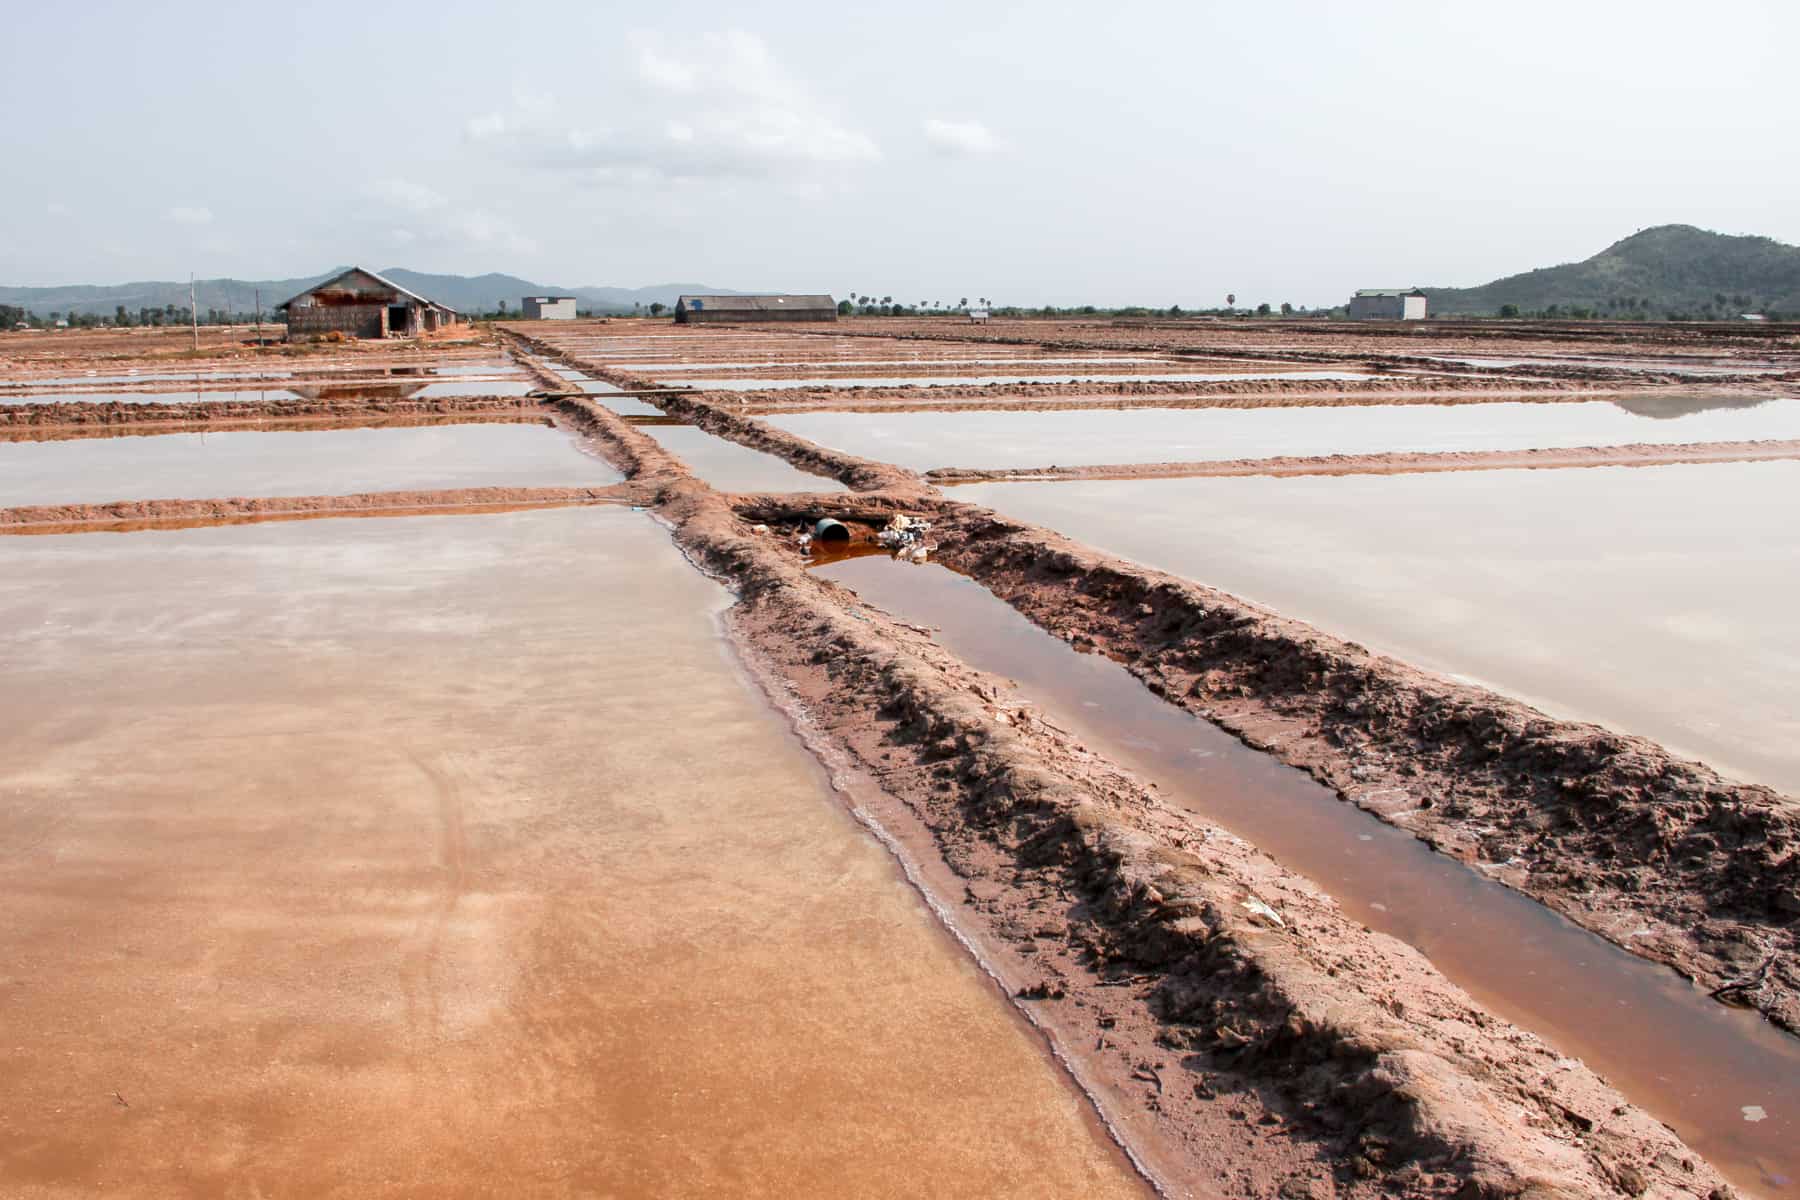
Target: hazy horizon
{"type": "Point", "coordinates": [1029, 153]}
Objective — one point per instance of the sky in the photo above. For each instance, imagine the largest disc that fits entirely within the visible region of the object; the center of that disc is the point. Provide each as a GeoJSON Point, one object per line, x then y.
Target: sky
{"type": "Point", "coordinates": [1042, 153]}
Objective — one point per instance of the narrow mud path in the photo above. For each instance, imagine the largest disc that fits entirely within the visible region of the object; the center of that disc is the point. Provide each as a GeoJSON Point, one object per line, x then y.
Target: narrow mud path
{"type": "Point", "coordinates": [1520, 960]}
{"type": "Point", "coordinates": [1398, 463]}
{"type": "Point", "coordinates": [132, 515]}
{"type": "Point", "coordinates": [1234, 1024]}
{"type": "Point", "coordinates": [1709, 887]}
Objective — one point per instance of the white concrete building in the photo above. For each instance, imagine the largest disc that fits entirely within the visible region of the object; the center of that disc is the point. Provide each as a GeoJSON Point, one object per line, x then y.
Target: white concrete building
{"type": "Point", "coordinates": [548, 308]}
{"type": "Point", "coordinates": [1388, 304]}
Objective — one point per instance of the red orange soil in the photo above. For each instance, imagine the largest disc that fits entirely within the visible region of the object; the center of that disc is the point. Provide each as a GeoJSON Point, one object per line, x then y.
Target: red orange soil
{"type": "Point", "coordinates": [222, 414]}
{"type": "Point", "coordinates": [1711, 885]}
{"type": "Point", "coordinates": [139, 514]}
{"type": "Point", "coordinates": [1635, 455]}
{"type": "Point", "coordinates": [1238, 1055]}
{"type": "Point", "coordinates": [1075, 397]}
{"type": "Point", "coordinates": [1660, 855]}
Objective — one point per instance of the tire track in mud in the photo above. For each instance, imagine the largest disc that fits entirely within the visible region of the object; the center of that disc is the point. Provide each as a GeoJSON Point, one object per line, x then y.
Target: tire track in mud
{"type": "Point", "coordinates": [422, 967]}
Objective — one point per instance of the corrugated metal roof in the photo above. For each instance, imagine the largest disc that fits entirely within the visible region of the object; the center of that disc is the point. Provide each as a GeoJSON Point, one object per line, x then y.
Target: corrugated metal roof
{"type": "Point", "coordinates": [1389, 292]}
{"type": "Point", "coordinates": [755, 303]}
{"type": "Point", "coordinates": [384, 282]}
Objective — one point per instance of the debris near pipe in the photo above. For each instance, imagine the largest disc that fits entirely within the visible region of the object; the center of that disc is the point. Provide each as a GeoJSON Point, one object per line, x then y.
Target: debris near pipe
{"type": "Point", "coordinates": [905, 537]}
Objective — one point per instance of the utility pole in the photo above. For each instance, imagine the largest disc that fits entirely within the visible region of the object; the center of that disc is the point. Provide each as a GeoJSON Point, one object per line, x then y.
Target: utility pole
{"type": "Point", "coordinates": [194, 311]}
{"type": "Point", "coordinates": [259, 340]}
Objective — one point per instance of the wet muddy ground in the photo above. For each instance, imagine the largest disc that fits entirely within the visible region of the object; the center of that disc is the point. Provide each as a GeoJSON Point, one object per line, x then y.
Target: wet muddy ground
{"type": "Point", "coordinates": [924, 441]}
{"type": "Point", "coordinates": [311, 889]}
{"type": "Point", "coordinates": [212, 395]}
{"type": "Point", "coordinates": [734, 468]}
{"type": "Point", "coordinates": [484, 838]}
{"type": "Point", "coordinates": [302, 463]}
{"type": "Point", "coordinates": [757, 384]}
{"type": "Point", "coordinates": [1590, 999]}
{"type": "Point", "coordinates": [1654, 600]}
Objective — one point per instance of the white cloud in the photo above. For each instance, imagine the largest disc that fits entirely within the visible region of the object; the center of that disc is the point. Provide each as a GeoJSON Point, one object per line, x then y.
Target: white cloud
{"type": "Point", "coordinates": [960, 137]}
{"type": "Point", "coordinates": [183, 215]}
{"type": "Point", "coordinates": [486, 125]}
{"type": "Point", "coordinates": [724, 107]}
{"type": "Point", "coordinates": [411, 197]}
{"type": "Point", "coordinates": [421, 216]}
{"type": "Point", "coordinates": [478, 227]}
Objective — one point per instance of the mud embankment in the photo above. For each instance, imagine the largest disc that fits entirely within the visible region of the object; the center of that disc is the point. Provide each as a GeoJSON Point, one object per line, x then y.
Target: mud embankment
{"type": "Point", "coordinates": [1210, 340]}
{"type": "Point", "coordinates": [123, 515]}
{"type": "Point", "coordinates": [223, 414]}
{"type": "Point", "coordinates": [1371, 391]}
{"type": "Point", "coordinates": [1238, 1032]}
{"type": "Point", "coordinates": [1396, 463]}
{"type": "Point", "coordinates": [1660, 855]}
{"type": "Point", "coordinates": [763, 404]}
{"type": "Point", "coordinates": [858, 474]}
{"type": "Point", "coordinates": [1693, 341]}
{"type": "Point", "coordinates": [75, 433]}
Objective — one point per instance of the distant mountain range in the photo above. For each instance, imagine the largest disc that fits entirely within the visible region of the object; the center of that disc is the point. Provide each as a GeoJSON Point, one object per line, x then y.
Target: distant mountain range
{"type": "Point", "coordinates": [478, 293]}
{"type": "Point", "coordinates": [1668, 270]}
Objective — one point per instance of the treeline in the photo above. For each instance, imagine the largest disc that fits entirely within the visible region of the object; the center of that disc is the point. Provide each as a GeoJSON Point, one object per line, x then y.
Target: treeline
{"type": "Point", "coordinates": [14, 317]}
{"type": "Point", "coordinates": [1721, 307]}
{"type": "Point", "coordinates": [887, 306]}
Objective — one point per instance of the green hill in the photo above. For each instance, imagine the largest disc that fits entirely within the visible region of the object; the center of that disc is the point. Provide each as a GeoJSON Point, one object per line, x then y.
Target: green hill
{"type": "Point", "coordinates": [1667, 271]}
{"type": "Point", "coordinates": [479, 293]}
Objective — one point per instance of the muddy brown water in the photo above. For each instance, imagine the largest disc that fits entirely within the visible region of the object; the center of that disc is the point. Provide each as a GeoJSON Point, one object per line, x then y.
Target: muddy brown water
{"type": "Point", "coordinates": [734, 468]}
{"type": "Point", "coordinates": [295, 463]}
{"type": "Point", "coordinates": [1692, 1062]}
{"type": "Point", "coordinates": [926, 441]}
{"type": "Point", "coordinates": [455, 857]}
{"type": "Point", "coordinates": [1654, 600]}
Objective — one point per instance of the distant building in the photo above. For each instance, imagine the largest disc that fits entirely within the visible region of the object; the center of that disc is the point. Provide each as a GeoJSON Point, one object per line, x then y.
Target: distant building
{"type": "Point", "coordinates": [978, 316]}
{"type": "Point", "coordinates": [696, 310]}
{"type": "Point", "coordinates": [361, 304]}
{"type": "Point", "coordinates": [1388, 304]}
{"type": "Point", "coordinates": [548, 308]}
